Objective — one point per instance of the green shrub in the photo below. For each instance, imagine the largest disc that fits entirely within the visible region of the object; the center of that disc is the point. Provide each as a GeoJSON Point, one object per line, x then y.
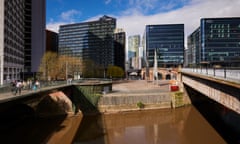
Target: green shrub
{"type": "Point", "coordinates": [140, 104]}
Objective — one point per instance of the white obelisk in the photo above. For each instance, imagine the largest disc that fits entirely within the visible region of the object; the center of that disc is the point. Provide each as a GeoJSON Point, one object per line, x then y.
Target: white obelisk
{"type": "Point", "coordinates": [155, 68]}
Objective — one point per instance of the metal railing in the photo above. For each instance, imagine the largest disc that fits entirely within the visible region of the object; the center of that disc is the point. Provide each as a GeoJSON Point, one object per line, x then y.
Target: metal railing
{"type": "Point", "coordinates": [228, 74]}
{"type": "Point", "coordinates": [7, 88]}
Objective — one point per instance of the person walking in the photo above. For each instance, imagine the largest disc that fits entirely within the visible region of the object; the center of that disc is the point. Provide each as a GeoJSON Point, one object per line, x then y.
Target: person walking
{"type": "Point", "coordinates": [29, 84]}
{"type": "Point", "coordinates": [37, 84]}
{"type": "Point", "coordinates": [18, 87]}
{"type": "Point", "coordinates": [13, 84]}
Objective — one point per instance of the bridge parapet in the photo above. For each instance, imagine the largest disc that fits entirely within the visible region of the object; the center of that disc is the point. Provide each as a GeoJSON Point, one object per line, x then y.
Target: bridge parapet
{"type": "Point", "coordinates": [228, 74]}
{"type": "Point", "coordinates": [227, 94]}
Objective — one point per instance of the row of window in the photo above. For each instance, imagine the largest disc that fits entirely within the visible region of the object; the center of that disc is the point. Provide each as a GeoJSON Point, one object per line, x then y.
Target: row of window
{"type": "Point", "coordinates": [228, 45]}
{"type": "Point", "coordinates": [13, 60]}
{"type": "Point", "coordinates": [70, 29]}
{"type": "Point", "coordinates": [222, 31]}
{"type": "Point", "coordinates": [220, 58]}
{"type": "Point", "coordinates": [13, 52]}
{"type": "Point", "coordinates": [222, 26]}
{"type": "Point", "coordinates": [85, 35]}
{"type": "Point", "coordinates": [13, 35]}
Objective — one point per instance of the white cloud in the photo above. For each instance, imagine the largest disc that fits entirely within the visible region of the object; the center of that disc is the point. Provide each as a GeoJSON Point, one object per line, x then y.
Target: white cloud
{"type": "Point", "coordinates": [189, 15]}
{"type": "Point", "coordinates": [69, 15]}
{"type": "Point", "coordinates": [66, 17]}
{"type": "Point", "coordinates": [54, 26]}
{"type": "Point", "coordinates": [133, 20]}
{"type": "Point", "coordinates": [107, 1]}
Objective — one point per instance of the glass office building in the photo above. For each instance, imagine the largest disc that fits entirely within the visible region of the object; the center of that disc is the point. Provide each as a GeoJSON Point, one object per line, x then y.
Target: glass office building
{"type": "Point", "coordinates": [133, 51]}
{"type": "Point", "coordinates": [168, 41]}
{"type": "Point", "coordinates": [220, 41]}
{"type": "Point", "coordinates": [119, 48]}
{"type": "Point", "coordinates": [194, 48]}
{"type": "Point", "coordinates": [51, 41]}
{"type": "Point", "coordinates": [89, 40]}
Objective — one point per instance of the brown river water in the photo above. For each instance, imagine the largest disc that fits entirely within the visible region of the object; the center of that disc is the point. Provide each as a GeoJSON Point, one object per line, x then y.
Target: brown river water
{"type": "Point", "coordinates": [164, 126]}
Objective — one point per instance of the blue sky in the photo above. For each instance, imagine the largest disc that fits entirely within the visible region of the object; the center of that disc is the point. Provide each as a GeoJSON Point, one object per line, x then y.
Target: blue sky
{"type": "Point", "coordinates": [84, 9]}
{"type": "Point", "coordinates": [133, 15]}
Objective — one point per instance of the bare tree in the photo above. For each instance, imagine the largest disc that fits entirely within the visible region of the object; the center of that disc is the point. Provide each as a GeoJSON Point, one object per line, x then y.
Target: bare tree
{"type": "Point", "coordinates": [59, 67]}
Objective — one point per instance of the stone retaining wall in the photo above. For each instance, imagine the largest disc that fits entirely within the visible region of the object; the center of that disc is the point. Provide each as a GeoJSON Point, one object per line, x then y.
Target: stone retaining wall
{"type": "Point", "coordinates": [129, 102]}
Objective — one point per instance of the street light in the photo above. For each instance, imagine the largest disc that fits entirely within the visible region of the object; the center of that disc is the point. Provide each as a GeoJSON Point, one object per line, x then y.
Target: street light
{"type": "Point", "coordinates": [1, 70]}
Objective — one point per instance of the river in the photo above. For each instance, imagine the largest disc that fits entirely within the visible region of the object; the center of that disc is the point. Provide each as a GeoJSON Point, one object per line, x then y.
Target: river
{"type": "Point", "coordinates": [164, 126]}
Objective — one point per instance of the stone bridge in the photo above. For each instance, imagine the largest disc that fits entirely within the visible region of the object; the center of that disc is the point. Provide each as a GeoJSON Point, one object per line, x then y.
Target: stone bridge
{"type": "Point", "coordinates": [163, 73]}
{"type": "Point", "coordinates": [58, 100]}
{"type": "Point", "coordinates": [223, 92]}
{"type": "Point", "coordinates": [221, 98]}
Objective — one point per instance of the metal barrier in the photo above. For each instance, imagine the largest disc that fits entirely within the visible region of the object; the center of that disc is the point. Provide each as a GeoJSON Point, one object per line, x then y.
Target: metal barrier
{"type": "Point", "coordinates": [43, 84]}
{"type": "Point", "coordinates": [229, 74]}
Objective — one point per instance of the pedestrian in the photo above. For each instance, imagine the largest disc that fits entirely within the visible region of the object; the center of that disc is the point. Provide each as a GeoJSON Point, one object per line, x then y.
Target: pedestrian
{"type": "Point", "coordinates": [18, 87]}
{"type": "Point", "coordinates": [37, 84]}
{"type": "Point", "coordinates": [13, 84]}
{"type": "Point", "coordinates": [29, 84]}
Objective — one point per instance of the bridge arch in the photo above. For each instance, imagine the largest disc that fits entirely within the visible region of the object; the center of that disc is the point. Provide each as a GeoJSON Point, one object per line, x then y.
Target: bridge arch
{"type": "Point", "coordinates": [56, 103]}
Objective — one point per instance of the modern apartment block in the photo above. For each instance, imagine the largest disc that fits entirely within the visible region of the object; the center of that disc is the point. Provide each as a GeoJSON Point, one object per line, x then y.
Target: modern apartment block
{"type": "Point", "coordinates": [218, 42]}
{"type": "Point", "coordinates": [168, 42]}
{"type": "Point", "coordinates": [22, 37]}
{"type": "Point", "coordinates": [119, 48]}
{"type": "Point", "coordinates": [133, 51]}
{"type": "Point", "coordinates": [89, 40]}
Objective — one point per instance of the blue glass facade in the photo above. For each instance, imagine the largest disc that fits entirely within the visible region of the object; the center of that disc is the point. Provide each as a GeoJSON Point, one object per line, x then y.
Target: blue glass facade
{"type": "Point", "coordinates": [194, 48]}
{"type": "Point", "coordinates": [220, 41]}
{"type": "Point", "coordinates": [89, 40]}
{"type": "Point", "coordinates": [168, 40]}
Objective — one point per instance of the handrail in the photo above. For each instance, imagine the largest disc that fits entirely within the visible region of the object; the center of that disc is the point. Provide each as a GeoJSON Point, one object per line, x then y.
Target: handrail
{"type": "Point", "coordinates": [43, 84]}
{"type": "Point", "coordinates": [228, 74]}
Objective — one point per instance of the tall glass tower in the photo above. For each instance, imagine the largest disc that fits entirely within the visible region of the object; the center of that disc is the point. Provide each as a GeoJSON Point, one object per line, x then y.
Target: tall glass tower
{"type": "Point", "coordinates": [168, 41]}
{"type": "Point", "coordinates": [89, 40]}
{"type": "Point", "coordinates": [194, 48]}
{"type": "Point", "coordinates": [119, 48]}
{"type": "Point", "coordinates": [133, 51]}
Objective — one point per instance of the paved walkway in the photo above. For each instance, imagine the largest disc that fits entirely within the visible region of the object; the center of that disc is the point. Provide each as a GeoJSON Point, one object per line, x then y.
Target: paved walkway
{"type": "Point", "coordinates": [139, 87]}
{"type": "Point", "coordinates": [10, 95]}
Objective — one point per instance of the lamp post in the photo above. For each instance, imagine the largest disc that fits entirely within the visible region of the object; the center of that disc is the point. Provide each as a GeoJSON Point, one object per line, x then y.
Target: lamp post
{"type": "Point", "coordinates": [1, 70]}
{"type": "Point", "coordinates": [67, 72]}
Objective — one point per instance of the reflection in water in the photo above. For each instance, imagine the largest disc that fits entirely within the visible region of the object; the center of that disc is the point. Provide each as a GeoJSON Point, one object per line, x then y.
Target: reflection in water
{"type": "Point", "coordinates": [175, 126]}
{"type": "Point", "coordinates": [167, 126]}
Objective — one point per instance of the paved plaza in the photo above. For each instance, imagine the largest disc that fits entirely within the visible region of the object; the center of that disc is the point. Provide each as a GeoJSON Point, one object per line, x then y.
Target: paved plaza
{"type": "Point", "coordinates": [121, 87]}
{"type": "Point", "coordinates": [139, 86]}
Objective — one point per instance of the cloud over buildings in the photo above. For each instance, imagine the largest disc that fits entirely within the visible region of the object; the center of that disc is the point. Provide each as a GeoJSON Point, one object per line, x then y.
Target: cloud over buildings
{"type": "Point", "coordinates": [189, 15]}
{"type": "Point", "coordinates": [139, 13]}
